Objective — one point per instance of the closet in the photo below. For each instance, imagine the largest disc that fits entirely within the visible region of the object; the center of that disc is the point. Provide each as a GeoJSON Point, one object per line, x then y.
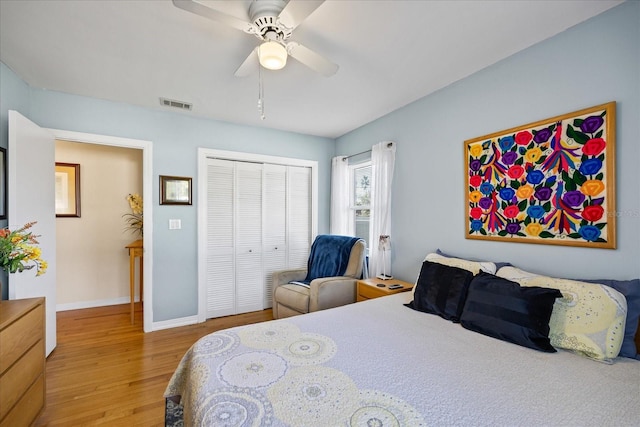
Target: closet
{"type": "Point", "coordinates": [258, 220]}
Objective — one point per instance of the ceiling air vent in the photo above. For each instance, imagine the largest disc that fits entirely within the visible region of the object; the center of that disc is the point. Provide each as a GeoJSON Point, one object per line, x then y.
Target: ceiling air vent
{"type": "Point", "coordinates": [176, 104]}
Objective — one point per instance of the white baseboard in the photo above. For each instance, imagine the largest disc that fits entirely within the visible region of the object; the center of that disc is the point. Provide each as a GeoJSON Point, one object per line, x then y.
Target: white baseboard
{"type": "Point", "coordinates": [174, 323]}
{"type": "Point", "coordinates": [155, 326]}
{"type": "Point", "coordinates": [95, 303]}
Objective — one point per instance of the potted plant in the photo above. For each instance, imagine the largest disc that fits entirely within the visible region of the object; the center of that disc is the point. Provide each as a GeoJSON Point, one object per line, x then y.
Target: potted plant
{"type": "Point", "coordinates": [135, 220]}
{"type": "Point", "coordinates": [19, 251]}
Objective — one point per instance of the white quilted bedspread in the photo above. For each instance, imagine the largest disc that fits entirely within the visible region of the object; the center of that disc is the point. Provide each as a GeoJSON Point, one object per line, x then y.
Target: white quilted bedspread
{"type": "Point", "coordinates": [378, 363]}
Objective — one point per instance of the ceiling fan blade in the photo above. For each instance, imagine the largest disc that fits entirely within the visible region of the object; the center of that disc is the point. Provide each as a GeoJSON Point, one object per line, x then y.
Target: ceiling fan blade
{"type": "Point", "coordinates": [250, 64]}
{"type": "Point", "coordinates": [202, 10]}
{"type": "Point", "coordinates": [313, 60]}
{"type": "Point", "coordinates": [297, 11]}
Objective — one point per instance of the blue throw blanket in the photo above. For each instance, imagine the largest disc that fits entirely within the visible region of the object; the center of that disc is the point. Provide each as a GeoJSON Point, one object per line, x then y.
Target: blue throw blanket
{"type": "Point", "coordinates": [329, 257]}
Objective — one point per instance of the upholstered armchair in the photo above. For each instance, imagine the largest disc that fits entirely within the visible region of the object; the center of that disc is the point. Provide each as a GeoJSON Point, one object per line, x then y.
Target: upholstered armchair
{"type": "Point", "coordinates": [313, 288]}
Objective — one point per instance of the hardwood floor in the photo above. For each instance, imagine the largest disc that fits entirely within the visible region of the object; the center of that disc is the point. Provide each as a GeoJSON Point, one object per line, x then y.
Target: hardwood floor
{"type": "Point", "coordinates": [105, 371]}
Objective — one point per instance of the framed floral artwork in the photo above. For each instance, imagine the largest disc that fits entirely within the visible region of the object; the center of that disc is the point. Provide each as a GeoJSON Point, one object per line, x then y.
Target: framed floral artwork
{"type": "Point", "coordinates": [550, 182]}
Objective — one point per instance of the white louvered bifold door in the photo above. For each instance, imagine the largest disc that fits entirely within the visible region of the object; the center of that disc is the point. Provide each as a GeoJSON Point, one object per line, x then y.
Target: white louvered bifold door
{"type": "Point", "coordinates": [249, 277]}
{"type": "Point", "coordinates": [299, 214]}
{"type": "Point", "coordinates": [274, 252]}
{"type": "Point", "coordinates": [221, 287]}
{"type": "Point", "coordinates": [258, 221]}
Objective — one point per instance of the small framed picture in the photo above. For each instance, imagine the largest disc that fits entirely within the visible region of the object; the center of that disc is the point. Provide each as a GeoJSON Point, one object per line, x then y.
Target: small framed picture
{"type": "Point", "coordinates": [175, 190]}
{"type": "Point", "coordinates": [67, 190]}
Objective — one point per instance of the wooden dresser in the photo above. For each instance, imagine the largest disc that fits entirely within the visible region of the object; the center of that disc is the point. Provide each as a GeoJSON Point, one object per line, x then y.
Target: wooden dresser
{"type": "Point", "coordinates": [22, 361]}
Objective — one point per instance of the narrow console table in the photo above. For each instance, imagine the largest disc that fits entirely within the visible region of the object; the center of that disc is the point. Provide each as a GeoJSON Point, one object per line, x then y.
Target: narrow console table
{"type": "Point", "coordinates": [135, 250]}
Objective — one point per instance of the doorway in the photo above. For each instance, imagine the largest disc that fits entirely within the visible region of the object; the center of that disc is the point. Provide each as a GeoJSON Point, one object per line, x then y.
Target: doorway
{"type": "Point", "coordinates": [105, 142]}
{"type": "Point", "coordinates": [91, 259]}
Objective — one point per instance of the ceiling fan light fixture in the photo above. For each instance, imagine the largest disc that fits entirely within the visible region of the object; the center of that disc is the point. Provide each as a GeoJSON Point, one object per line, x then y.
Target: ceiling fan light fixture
{"type": "Point", "coordinates": [272, 55]}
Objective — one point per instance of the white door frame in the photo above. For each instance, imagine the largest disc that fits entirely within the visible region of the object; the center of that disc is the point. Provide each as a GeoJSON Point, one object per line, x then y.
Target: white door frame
{"type": "Point", "coordinates": [203, 155]}
{"type": "Point", "coordinates": [147, 188]}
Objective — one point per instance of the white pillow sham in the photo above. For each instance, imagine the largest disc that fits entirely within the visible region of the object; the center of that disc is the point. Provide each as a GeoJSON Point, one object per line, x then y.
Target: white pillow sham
{"type": "Point", "coordinates": [473, 266]}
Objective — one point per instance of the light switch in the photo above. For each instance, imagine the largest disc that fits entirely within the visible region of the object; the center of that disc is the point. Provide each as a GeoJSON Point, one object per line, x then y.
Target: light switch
{"type": "Point", "coordinates": [175, 224]}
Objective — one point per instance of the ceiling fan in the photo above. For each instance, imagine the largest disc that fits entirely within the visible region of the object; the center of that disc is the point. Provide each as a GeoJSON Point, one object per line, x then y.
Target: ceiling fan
{"type": "Point", "coordinates": [272, 22]}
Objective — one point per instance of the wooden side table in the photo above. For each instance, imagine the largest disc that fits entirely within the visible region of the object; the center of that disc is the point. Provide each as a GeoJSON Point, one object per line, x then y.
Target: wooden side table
{"type": "Point", "coordinates": [368, 288]}
{"type": "Point", "coordinates": [135, 250]}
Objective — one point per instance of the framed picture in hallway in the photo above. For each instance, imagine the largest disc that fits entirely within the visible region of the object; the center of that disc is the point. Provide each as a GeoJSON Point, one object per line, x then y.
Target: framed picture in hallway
{"type": "Point", "coordinates": [175, 190]}
{"type": "Point", "coordinates": [67, 190]}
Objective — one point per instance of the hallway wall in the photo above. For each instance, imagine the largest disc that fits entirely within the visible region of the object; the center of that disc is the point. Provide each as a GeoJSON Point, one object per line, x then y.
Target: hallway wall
{"type": "Point", "coordinates": [92, 262]}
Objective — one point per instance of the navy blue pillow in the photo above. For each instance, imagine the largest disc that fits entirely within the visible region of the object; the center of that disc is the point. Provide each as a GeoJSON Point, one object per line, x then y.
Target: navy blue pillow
{"type": "Point", "coordinates": [441, 290]}
{"type": "Point", "coordinates": [503, 309]}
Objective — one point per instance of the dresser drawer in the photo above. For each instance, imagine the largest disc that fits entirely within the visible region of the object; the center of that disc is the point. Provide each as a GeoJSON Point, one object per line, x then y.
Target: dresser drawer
{"type": "Point", "coordinates": [19, 377]}
{"type": "Point", "coordinates": [20, 336]}
{"type": "Point", "coordinates": [28, 408]}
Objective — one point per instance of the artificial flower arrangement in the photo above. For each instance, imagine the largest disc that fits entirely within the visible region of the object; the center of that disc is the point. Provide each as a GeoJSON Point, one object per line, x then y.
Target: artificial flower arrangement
{"type": "Point", "coordinates": [134, 219]}
{"type": "Point", "coordinates": [18, 251]}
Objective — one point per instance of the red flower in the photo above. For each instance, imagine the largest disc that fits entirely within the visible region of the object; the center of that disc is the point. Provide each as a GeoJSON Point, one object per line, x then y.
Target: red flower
{"type": "Point", "coordinates": [594, 146]}
{"type": "Point", "coordinates": [515, 171]}
{"type": "Point", "coordinates": [523, 138]}
{"type": "Point", "coordinates": [511, 211]}
{"type": "Point", "coordinates": [475, 213]}
{"type": "Point", "coordinates": [475, 180]}
{"type": "Point", "coordinates": [593, 213]}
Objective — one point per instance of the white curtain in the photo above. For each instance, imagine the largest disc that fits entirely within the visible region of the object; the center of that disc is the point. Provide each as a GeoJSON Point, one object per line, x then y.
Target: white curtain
{"type": "Point", "coordinates": [383, 157]}
{"type": "Point", "coordinates": [340, 223]}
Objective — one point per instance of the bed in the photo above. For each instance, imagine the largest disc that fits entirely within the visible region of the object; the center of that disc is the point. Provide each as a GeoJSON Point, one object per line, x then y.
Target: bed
{"type": "Point", "coordinates": [381, 363]}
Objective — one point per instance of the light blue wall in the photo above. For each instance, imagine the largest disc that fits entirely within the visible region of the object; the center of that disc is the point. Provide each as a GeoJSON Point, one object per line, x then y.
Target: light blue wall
{"type": "Point", "coordinates": [592, 63]}
{"type": "Point", "coordinates": [595, 62]}
{"type": "Point", "coordinates": [14, 95]}
{"type": "Point", "coordinates": [175, 138]}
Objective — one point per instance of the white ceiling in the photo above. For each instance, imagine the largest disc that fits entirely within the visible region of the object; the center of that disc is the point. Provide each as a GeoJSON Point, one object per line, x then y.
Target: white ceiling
{"type": "Point", "coordinates": [390, 53]}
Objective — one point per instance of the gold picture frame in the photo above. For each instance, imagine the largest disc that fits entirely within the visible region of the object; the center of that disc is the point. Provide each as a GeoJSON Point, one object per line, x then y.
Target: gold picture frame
{"type": "Point", "coordinates": [175, 190]}
{"type": "Point", "coordinates": [549, 182]}
{"type": "Point", "coordinates": [67, 190]}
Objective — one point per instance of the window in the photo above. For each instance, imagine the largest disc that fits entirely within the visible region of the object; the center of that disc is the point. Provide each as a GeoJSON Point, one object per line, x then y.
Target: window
{"type": "Point", "coordinates": [360, 200]}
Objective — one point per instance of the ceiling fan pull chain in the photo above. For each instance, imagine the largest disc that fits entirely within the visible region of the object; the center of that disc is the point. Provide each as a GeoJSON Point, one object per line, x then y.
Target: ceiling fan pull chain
{"type": "Point", "coordinates": [260, 94]}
